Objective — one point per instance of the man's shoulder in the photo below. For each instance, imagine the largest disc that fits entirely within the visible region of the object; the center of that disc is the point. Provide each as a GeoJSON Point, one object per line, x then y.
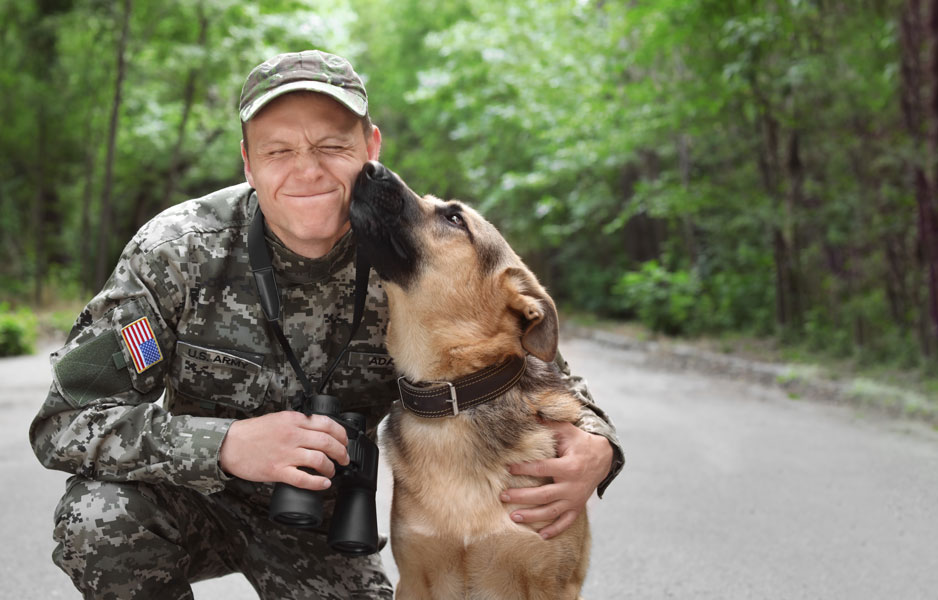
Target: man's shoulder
{"type": "Point", "coordinates": [219, 213]}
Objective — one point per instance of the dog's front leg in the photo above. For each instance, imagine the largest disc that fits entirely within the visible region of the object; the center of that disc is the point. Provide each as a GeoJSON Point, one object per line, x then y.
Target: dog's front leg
{"type": "Point", "coordinates": [411, 588]}
{"type": "Point", "coordinates": [422, 583]}
{"type": "Point", "coordinates": [429, 569]}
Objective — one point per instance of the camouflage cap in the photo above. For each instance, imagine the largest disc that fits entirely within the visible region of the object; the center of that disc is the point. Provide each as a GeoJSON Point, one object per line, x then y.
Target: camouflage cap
{"type": "Point", "coordinates": [310, 70]}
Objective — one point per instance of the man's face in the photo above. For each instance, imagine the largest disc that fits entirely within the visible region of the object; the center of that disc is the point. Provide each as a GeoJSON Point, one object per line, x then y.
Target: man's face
{"type": "Point", "coordinates": [305, 151]}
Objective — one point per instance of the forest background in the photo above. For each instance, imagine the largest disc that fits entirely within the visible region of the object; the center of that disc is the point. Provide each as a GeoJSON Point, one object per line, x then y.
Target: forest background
{"type": "Point", "coordinates": [724, 168]}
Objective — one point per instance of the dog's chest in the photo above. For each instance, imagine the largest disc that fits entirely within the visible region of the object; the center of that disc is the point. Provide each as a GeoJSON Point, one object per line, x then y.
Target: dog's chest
{"type": "Point", "coordinates": [449, 475]}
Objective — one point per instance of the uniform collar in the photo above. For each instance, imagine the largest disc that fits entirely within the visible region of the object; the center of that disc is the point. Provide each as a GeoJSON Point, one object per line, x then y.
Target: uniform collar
{"type": "Point", "coordinates": [293, 269]}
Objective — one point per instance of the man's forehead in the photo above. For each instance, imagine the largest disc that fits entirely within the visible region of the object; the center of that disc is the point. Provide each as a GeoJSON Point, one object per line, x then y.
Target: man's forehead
{"type": "Point", "coordinates": [295, 120]}
{"type": "Point", "coordinates": [288, 135]}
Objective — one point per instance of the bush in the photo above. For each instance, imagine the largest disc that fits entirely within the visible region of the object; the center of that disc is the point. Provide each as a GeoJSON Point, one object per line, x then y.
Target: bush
{"type": "Point", "coordinates": [18, 330]}
{"type": "Point", "coordinates": [663, 300]}
{"type": "Point", "coordinates": [739, 302]}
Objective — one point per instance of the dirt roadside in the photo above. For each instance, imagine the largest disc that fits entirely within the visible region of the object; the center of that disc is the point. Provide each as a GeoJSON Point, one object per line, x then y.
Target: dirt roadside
{"type": "Point", "coordinates": [797, 380]}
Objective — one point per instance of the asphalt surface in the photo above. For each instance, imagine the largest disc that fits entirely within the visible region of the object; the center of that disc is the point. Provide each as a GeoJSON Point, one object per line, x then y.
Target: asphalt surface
{"type": "Point", "coordinates": [731, 491]}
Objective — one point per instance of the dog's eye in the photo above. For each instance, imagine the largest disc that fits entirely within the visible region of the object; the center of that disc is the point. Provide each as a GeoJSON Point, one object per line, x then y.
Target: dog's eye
{"type": "Point", "coordinates": [456, 219]}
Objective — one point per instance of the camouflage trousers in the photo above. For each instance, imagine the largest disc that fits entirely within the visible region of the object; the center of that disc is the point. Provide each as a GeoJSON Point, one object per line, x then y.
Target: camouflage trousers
{"type": "Point", "coordinates": [135, 540]}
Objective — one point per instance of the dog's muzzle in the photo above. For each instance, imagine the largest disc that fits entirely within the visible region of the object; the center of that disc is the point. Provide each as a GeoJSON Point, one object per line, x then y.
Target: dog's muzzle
{"type": "Point", "coordinates": [377, 183]}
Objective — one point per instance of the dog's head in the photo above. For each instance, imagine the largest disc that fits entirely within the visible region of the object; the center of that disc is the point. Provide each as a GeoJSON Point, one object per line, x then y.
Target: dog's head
{"type": "Point", "coordinates": [454, 284]}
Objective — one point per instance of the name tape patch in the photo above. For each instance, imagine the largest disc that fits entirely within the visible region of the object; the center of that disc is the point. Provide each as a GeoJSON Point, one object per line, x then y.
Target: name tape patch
{"type": "Point", "coordinates": [144, 350]}
{"type": "Point", "coordinates": [369, 360]}
{"type": "Point", "coordinates": [217, 357]}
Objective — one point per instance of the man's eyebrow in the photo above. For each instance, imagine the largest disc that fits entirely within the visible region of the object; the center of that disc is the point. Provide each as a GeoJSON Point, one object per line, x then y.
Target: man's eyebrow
{"type": "Point", "coordinates": [273, 142]}
{"type": "Point", "coordinates": [331, 138]}
{"type": "Point", "coordinates": [343, 138]}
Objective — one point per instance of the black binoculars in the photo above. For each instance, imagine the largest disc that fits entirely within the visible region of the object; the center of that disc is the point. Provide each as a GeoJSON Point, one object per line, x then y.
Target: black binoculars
{"type": "Point", "coordinates": [354, 528]}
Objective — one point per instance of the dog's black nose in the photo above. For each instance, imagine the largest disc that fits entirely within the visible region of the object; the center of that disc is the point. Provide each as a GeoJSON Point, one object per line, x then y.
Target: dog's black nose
{"type": "Point", "coordinates": [376, 171]}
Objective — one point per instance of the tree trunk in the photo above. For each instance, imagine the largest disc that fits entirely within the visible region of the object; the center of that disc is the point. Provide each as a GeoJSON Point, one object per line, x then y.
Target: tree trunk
{"type": "Point", "coordinates": [794, 200]}
{"type": "Point", "coordinates": [39, 241]}
{"type": "Point", "coordinates": [84, 243]}
{"type": "Point", "coordinates": [929, 204]}
{"type": "Point", "coordinates": [771, 172]}
{"type": "Point", "coordinates": [922, 123]}
{"type": "Point", "coordinates": [42, 43]}
{"type": "Point", "coordinates": [188, 99]}
{"type": "Point", "coordinates": [687, 225]}
{"type": "Point", "coordinates": [104, 233]}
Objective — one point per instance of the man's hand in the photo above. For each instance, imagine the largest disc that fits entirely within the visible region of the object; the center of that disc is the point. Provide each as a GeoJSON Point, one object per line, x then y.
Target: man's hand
{"type": "Point", "coordinates": [583, 461]}
{"type": "Point", "coordinates": [269, 448]}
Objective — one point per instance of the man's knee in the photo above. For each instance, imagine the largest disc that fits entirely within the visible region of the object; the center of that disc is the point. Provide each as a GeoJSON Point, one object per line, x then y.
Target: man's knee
{"type": "Point", "coordinates": [100, 513]}
{"type": "Point", "coordinates": [117, 540]}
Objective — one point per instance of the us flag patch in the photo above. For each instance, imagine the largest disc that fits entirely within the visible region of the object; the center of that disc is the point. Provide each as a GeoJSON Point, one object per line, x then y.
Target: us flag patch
{"type": "Point", "coordinates": [142, 344]}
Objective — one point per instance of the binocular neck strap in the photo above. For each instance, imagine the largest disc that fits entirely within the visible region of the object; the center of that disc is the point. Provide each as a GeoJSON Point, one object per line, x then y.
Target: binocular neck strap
{"type": "Point", "coordinates": [263, 271]}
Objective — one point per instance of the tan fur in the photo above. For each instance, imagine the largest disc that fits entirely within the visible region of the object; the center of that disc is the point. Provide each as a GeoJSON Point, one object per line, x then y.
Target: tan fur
{"type": "Point", "coordinates": [451, 535]}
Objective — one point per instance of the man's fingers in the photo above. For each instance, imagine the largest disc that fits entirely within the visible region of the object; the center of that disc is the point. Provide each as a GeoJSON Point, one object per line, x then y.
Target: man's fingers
{"type": "Point", "coordinates": [535, 496]}
{"type": "Point", "coordinates": [538, 468]}
{"type": "Point", "coordinates": [560, 525]}
{"type": "Point", "coordinates": [317, 461]}
{"type": "Point", "coordinates": [326, 425]}
{"type": "Point", "coordinates": [548, 512]}
{"type": "Point", "coordinates": [325, 443]}
{"type": "Point", "coordinates": [308, 481]}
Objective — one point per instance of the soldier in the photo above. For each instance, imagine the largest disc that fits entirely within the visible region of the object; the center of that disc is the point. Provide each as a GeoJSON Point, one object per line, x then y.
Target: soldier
{"type": "Point", "coordinates": [171, 398]}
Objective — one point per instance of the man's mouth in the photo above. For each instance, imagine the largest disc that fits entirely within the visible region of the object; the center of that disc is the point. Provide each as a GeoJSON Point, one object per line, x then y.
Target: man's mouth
{"type": "Point", "coordinates": [310, 195]}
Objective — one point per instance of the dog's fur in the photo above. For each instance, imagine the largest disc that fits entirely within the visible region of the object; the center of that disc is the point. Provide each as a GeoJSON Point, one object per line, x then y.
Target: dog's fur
{"type": "Point", "coordinates": [461, 300]}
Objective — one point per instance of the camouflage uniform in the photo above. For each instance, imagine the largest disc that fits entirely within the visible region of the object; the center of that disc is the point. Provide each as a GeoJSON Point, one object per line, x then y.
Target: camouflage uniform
{"type": "Point", "coordinates": [149, 509]}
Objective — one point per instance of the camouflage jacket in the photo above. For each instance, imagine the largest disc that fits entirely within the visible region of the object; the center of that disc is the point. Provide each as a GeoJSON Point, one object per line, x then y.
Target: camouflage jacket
{"type": "Point", "coordinates": [179, 320]}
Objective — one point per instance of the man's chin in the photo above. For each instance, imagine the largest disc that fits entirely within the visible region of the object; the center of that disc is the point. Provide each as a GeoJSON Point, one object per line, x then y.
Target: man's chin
{"type": "Point", "coordinates": [315, 242]}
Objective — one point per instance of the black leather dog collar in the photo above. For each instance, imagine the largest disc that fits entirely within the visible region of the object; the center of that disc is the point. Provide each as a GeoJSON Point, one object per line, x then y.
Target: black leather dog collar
{"type": "Point", "coordinates": [433, 399]}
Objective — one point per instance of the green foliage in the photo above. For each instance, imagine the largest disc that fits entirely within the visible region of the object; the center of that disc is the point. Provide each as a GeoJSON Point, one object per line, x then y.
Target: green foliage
{"type": "Point", "coordinates": [18, 331]}
{"type": "Point", "coordinates": [743, 164]}
{"type": "Point", "coordinates": [665, 301]}
{"type": "Point", "coordinates": [59, 322]}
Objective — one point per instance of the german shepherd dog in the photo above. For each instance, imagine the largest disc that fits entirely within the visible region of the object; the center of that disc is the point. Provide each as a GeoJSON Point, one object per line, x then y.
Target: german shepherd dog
{"type": "Point", "coordinates": [460, 302]}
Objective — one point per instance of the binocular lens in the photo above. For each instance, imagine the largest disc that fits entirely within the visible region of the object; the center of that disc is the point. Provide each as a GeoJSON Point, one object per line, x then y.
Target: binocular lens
{"type": "Point", "coordinates": [297, 520]}
{"type": "Point", "coordinates": [354, 527]}
{"type": "Point", "coordinates": [295, 507]}
{"type": "Point", "coordinates": [355, 548]}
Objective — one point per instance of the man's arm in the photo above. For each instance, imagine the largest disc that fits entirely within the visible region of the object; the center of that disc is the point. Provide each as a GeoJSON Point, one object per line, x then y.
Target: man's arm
{"type": "Point", "coordinates": [100, 418]}
{"type": "Point", "coordinates": [589, 457]}
{"type": "Point", "coordinates": [595, 421]}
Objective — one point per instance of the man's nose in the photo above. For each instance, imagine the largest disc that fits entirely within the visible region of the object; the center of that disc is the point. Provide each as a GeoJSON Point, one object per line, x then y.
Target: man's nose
{"type": "Point", "coordinates": [307, 164]}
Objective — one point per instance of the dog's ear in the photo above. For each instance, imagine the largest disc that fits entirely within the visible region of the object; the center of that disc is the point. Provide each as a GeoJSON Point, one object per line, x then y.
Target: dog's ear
{"type": "Point", "coordinates": [539, 321]}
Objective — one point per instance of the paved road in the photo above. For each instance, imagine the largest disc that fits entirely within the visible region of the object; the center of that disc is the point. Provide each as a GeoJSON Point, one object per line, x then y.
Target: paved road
{"type": "Point", "coordinates": [731, 491]}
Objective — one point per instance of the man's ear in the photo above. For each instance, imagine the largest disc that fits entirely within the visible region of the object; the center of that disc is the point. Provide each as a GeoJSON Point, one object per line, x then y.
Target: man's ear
{"type": "Point", "coordinates": [247, 165]}
{"type": "Point", "coordinates": [373, 145]}
{"type": "Point", "coordinates": [538, 315]}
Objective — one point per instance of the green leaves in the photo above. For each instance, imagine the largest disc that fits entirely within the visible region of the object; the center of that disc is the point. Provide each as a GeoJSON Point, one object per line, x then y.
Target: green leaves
{"type": "Point", "coordinates": [754, 152]}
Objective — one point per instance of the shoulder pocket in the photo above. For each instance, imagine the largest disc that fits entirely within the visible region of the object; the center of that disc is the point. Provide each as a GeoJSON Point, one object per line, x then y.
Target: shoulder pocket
{"type": "Point", "coordinates": [215, 376]}
{"type": "Point", "coordinates": [119, 352]}
{"type": "Point", "coordinates": [88, 372]}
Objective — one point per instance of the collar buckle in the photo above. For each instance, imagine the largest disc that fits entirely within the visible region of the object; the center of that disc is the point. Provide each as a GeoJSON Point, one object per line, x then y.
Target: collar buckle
{"type": "Point", "coordinates": [454, 403]}
{"type": "Point", "coordinates": [452, 396]}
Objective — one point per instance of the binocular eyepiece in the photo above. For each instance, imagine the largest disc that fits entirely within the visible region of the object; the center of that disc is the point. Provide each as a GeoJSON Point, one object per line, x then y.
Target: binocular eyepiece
{"type": "Point", "coordinates": [354, 528]}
